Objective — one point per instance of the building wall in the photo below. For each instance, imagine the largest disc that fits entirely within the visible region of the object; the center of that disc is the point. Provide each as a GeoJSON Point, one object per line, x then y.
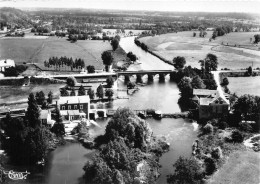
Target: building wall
{"type": "Point", "coordinates": [211, 111]}
{"type": "Point", "coordinates": [76, 107]}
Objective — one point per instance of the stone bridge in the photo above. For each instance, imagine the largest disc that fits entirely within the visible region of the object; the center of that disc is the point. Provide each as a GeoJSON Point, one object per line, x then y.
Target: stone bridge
{"type": "Point", "coordinates": [126, 74]}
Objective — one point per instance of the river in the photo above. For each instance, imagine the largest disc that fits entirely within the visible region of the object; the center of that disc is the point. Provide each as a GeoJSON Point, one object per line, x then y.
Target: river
{"type": "Point", "coordinates": [66, 162]}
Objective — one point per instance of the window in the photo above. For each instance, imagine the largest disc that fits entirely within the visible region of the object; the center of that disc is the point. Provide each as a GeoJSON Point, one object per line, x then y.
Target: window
{"type": "Point", "coordinates": [81, 106]}
{"type": "Point", "coordinates": [69, 107]}
{"type": "Point", "coordinates": [75, 106]}
{"type": "Point", "coordinates": [62, 107]}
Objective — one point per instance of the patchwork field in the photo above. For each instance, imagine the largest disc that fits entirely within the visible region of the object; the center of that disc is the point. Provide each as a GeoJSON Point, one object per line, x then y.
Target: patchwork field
{"type": "Point", "coordinates": [244, 85]}
{"type": "Point", "coordinates": [38, 50]}
{"type": "Point", "coordinates": [195, 48]}
{"type": "Point", "coordinates": [241, 167]}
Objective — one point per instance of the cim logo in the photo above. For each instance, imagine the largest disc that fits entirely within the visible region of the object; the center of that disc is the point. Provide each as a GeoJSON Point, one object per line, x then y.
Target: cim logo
{"type": "Point", "coordinates": [16, 175]}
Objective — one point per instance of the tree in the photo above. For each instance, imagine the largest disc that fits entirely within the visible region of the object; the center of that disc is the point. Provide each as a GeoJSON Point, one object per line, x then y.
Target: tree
{"type": "Point", "coordinates": [225, 82]}
{"type": "Point", "coordinates": [118, 37]}
{"type": "Point", "coordinates": [210, 165]}
{"type": "Point", "coordinates": [91, 93]}
{"type": "Point", "coordinates": [71, 81]}
{"type": "Point", "coordinates": [247, 107]}
{"type": "Point", "coordinates": [249, 71]}
{"type": "Point", "coordinates": [185, 87]}
{"type": "Point", "coordinates": [179, 62]}
{"type": "Point", "coordinates": [64, 92]}
{"type": "Point", "coordinates": [131, 56]}
{"type": "Point", "coordinates": [40, 97]}
{"type": "Point", "coordinates": [33, 112]}
{"type": "Point", "coordinates": [91, 69]}
{"type": "Point", "coordinates": [58, 127]}
{"type": "Point", "coordinates": [257, 38]}
{"type": "Point", "coordinates": [109, 93]}
{"type": "Point", "coordinates": [186, 171]}
{"type": "Point", "coordinates": [50, 97]}
{"type": "Point", "coordinates": [100, 91]}
{"type": "Point", "coordinates": [81, 91]}
{"type": "Point", "coordinates": [73, 93]}
{"type": "Point", "coordinates": [197, 83]}
{"type": "Point", "coordinates": [110, 81]}
{"type": "Point", "coordinates": [208, 129]}
{"type": "Point", "coordinates": [107, 59]}
{"type": "Point", "coordinates": [114, 43]}
{"type": "Point", "coordinates": [211, 62]}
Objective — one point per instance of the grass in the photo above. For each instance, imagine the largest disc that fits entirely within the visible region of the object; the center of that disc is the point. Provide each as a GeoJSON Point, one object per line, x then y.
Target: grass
{"type": "Point", "coordinates": [241, 167]}
{"type": "Point", "coordinates": [244, 85]}
{"type": "Point", "coordinates": [38, 50]}
{"type": "Point", "coordinates": [195, 48]}
{"type": "Point", "coordinates": [20, 94]}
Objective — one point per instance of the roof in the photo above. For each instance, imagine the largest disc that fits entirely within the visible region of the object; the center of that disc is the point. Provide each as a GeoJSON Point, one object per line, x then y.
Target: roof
{"type": "Point", "coordinates": [74, 99]}
{"type": "Point", "coordinates": [6, 62]}
{"type": "Point", "coordinates": [209, 101]}
{"type": "Point", "coordinates": [44, 114]}
{"type": "Point", "coordinates": [203, 92]}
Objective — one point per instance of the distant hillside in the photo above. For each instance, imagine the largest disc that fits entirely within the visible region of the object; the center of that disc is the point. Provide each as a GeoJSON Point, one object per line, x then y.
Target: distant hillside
{"type": "Point", "coordinates": [14, 18]}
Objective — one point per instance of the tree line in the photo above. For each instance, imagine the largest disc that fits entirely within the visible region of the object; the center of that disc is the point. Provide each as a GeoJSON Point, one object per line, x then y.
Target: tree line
{"type": "Point", "coordinates": [57, 63]}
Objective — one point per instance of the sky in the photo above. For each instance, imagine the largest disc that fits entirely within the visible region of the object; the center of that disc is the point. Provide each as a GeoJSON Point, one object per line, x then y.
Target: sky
{"type": "Point", "coordinates": [250, 6]}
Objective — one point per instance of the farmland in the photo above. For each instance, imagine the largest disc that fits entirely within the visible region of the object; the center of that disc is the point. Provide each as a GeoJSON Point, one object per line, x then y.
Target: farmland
{"type": "Point", "coordinates": [38, 50]}
{"type": "Point", "coordinates": [195, 48]}
{"type": "Point", "coordinates": [244, 85]}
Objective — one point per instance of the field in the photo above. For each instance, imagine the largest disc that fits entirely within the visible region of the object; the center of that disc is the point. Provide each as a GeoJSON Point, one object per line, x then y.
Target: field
{"type": "Point", "coordinates": [195, 48]}
{"type": "Point", "coordinates": [244, 85]}
{"type": "Point", "coordinates": [32, 49]}
{"type": "Point", "coordinates": [241, 167]}
{"type": "Point", "coordinates": [19, 94]}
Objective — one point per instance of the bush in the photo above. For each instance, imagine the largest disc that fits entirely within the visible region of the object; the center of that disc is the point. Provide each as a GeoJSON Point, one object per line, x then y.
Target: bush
{"type": "Point", "coordinates": [244, 126]}
{"type": "Point", "coordinates": [237, 136]}
{"type": "Point", "coordinates": [100, 114]}
{"type": "Point", "coordinates": [208, 129]}
{"type": "Point", "coordinates": [222, 125]}
{"type": "Point", "coordinates": [217, 153]}
{"type": "Point", "coordinates": [210, 166]}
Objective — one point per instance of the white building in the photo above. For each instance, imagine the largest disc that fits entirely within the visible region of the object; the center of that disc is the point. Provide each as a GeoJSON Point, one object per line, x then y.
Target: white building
{"type": "Point", "coordinates": [6, 63]}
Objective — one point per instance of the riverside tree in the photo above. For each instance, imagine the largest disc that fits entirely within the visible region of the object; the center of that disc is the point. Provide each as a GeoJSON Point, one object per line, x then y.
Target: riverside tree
{"type": "Point", "coordinates": [81, 91]}
{"type": "Point", "coordinates": [179, 62]}
{"type": "Point", "coordinates": [50, 97]}
{"type": "Point", "coordinates": [186, 171]}
{"type": "Point", "coordinates": [107, 59]}
{"type": "Point", "coordinates": [40, 97]}
{"type": "Point", "coordinates": [91, 93]}
{"type": "Point", "coordinates": [109, 94]}
{"type": "Point", "coordinates": [33, 112]}
{"type": "Point", "coordinates": [127, 142]}
{"type": "Point", "coordinates": [58, 127]}
{"type": "Point", "coordinates": [100, 92]}
{"type": "Point", "coordinates": [110, 81]}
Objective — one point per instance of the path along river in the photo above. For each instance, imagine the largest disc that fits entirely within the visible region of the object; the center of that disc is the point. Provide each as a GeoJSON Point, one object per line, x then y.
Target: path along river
{"type": "Point", "coordinates": [66, 162]}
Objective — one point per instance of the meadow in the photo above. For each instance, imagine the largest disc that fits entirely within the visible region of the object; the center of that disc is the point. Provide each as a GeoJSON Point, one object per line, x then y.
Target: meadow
{"type": "Point", "coordinates": [35, 50]}
{"type": "Point", "coordinates": [18, 95]}
{"type": "Point", "coordinates": [241, 167]}
{"type": "Point", "coordinates": [244, 85]}
{"type": "Point", "coordinates": [196, 48]}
